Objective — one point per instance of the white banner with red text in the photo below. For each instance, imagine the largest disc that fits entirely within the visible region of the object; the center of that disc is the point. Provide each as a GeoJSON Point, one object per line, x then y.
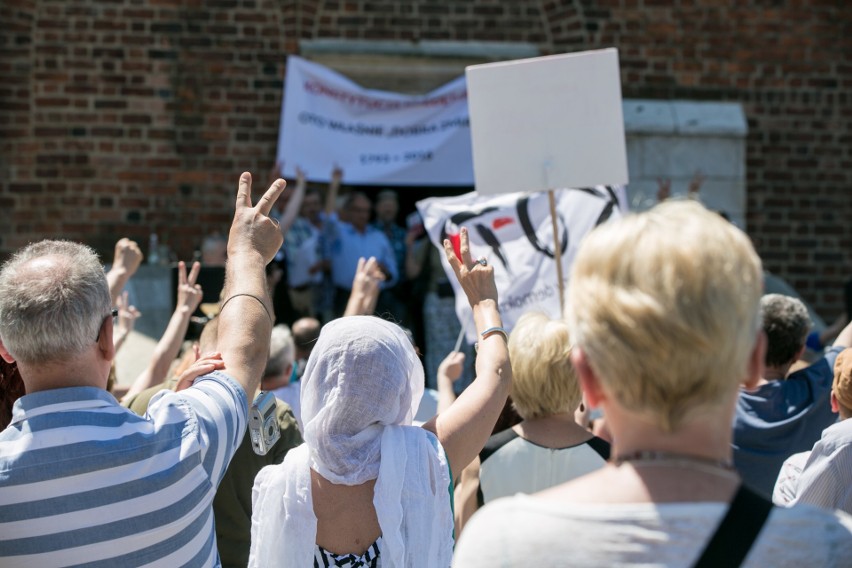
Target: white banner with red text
{"type": "Point", "coordinates": [514, 233]}
{"type": "Point", "coordinates": [376, 137]}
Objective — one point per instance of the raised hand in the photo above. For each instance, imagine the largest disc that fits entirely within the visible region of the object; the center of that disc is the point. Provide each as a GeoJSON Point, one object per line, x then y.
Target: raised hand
{"type": "Point", "coordinates": [246, 315]}
{"type": "Point", "coordinates": [253, 231]}
{"type": "Point", "coordinates": [695, 184]}
{"type": "Point", "coordinates": [127, 316]}
{"type": "Point", "coordinates": [188, 297]}
{"type": "Point", "coordinates": [475, 276]}
{"type": "Point", "coordinates": [189, 293]}
{"type": "Point", "coordinates": [127, 256]}
{"type": "Point", "coordinates": [365, 288]}
{"type": "Point", "coordinates": [126, 261]}
{"type": "Point", "coordinates": [451, 367]}
{"type": "Point", "coordinates": [368, 274]}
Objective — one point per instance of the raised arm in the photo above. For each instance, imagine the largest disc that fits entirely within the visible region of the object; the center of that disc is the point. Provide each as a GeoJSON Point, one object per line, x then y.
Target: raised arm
{"type": "Point", "coordinates": [415, 257]}
{"type": "Point", "coordinates": [449, 371]}
{"type": "Point", "coordinates": [831, 332]}
{"type": "Point", "coordinates": [333, 190]}
{"type": "Point", "coordinates": [188, 297]}
{"type": "Point", "coordinates": [126, 261]}
{"type": "Point", "coordinates": [245, 319]}
{"type": "Point", "coordinates": [291, 210]}
{"type": "Point", "coordinates": [127, 316]}
{"type": "Point", "coordinates": [844, 339]}
{"type": "Point", "coordinates": [466, 425]}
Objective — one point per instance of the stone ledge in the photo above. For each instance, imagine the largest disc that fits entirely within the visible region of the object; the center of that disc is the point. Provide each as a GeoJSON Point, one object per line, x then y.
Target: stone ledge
{"type": "Point", "coordinates": [487, 50]}
{"type": "Point", "coordinates": [684, 118]}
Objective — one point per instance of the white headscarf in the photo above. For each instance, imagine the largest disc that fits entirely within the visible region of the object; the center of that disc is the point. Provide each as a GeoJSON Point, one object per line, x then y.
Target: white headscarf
{"type": "Point", "coordinates": [360, 391]}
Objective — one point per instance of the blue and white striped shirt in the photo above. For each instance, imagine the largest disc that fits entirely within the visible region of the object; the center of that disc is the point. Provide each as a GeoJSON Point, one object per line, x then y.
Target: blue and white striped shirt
{"type": "Point", "coordinates": [85, 481]}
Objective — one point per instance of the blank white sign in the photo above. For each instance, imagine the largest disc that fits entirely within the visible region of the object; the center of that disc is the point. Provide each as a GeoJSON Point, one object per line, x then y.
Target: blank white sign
{"type": "Point", "coordinates": [547, 123]}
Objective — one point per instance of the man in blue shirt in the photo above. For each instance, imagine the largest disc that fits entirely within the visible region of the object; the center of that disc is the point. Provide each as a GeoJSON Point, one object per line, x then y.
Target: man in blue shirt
{"type": "Point", "coordinates": [393, 299]}
{"type": "Point", "coordinates": [353, 239]}
{"type": "Point", "coordinates": [777, 416]}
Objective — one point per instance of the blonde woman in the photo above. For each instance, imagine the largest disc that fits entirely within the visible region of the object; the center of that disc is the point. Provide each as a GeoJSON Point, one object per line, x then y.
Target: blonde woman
{"type": "Point", "coordinates": [547, 447]}
{"type": "Point", "coordinates": [664, 318]}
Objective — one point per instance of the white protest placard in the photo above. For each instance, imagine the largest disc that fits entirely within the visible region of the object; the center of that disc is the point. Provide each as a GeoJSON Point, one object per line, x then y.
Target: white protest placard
{"type": "Point", "coordinates": [547, 122]}
{"type": "Point", "coordinates": [376, 137]}
{"type": "Point", "coordinates": [513, 231]}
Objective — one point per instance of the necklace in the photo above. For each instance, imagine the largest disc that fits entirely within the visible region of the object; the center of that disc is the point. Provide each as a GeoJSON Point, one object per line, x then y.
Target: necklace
{"type": "Point", "coordinates": [642, 457]}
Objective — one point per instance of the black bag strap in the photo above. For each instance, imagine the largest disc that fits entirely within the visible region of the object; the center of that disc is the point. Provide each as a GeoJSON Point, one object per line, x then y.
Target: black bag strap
{"type": "Point", "coordinates": [735, 535]}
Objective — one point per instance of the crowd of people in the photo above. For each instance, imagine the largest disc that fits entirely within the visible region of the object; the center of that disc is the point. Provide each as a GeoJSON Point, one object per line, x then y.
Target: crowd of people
{"type": "Point", "coordinates": [327, 229]}
{"type": "Point", "coordinates": [668, 420]}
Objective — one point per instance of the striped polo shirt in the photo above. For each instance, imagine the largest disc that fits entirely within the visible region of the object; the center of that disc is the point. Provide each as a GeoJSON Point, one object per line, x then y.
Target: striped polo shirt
{"type": "Point", "coordinates": [85, 481]}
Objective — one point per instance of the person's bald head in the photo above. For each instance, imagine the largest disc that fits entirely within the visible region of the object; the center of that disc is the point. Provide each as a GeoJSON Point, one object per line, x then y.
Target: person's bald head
{"type": "Point", "coordinates": [305, 334]}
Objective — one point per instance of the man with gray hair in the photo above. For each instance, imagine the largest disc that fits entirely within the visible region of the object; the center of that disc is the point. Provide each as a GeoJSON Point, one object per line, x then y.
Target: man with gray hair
{"type": "Point", "coordinates": [782, 413]}
{"type": "Point", "coordinates": [85, 481]}
{"type": "Point", "coordinates": [279, 373]}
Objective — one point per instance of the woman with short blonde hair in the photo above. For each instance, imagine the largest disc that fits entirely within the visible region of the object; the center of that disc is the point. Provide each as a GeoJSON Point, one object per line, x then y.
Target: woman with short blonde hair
{"type": "Point", "coordinates": [547, 447]}
{"type": "Point", "coordinates": [545, 381]}
{"type": "Point", "coordinates": [664, 317]}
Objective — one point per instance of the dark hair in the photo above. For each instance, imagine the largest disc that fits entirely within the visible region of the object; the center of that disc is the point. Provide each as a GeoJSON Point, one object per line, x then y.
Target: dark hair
{"type": "Point", "coordinates": [786, 323]}
{"type": "Point", "coordinates": [313, 190]}
{"type": "Point", "coordinates": [508, 417]}
{"type": "Point", "coordinates": [350, 199]}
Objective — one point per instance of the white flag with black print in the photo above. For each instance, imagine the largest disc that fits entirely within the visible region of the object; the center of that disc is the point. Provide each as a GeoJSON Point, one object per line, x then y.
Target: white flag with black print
{"type": "Point", "coordinates": [514, 233]}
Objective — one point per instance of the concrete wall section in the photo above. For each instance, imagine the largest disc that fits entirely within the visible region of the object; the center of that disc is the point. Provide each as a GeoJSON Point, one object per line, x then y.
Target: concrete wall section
{"type": "Point", "coordinates": [676, 140]}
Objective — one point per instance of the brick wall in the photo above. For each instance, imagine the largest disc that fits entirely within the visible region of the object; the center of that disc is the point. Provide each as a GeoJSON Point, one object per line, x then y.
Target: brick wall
{"type": "Point", "coordinates": [127, 118]}
{"type": "Point", "coordinates": [132, 116]}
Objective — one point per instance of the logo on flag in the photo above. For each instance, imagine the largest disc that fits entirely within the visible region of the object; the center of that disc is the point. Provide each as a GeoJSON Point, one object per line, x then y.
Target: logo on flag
{"type": "Point", "coordinates": [514, 232]}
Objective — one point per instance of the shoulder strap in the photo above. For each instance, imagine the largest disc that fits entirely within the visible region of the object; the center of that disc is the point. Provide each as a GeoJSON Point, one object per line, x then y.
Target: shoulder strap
{"type": "Point", "coordinates": [494, 443]}
{"type": "Point", "coordinates": [601, 446]}
{"type": "Point", "coordinates": [735, 535]}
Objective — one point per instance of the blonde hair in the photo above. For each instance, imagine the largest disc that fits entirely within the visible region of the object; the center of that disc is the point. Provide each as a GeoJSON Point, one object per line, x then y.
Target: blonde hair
{"type": "Point", "coordinates": [665, 306]}
{"type": "Point", "coordinates": [543, 379]}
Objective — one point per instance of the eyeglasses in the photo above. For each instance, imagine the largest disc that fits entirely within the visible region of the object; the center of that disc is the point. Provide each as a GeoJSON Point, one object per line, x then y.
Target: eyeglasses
{"type": "Point", "coordinates": [114, 313]}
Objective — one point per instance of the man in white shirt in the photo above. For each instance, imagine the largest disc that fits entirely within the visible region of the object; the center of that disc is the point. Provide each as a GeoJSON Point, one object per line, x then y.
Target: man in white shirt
{"type": "Point", "coordinates": [823, 476]}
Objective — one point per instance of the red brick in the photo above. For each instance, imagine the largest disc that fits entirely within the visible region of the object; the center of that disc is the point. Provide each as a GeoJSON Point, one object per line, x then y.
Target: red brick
{"type": "Point", "coordinates": [145, 90]}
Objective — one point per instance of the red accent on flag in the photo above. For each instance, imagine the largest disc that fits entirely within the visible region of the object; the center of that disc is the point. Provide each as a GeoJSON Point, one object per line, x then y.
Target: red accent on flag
{"type": "Point", "coordinates": [455, 240]}
{"type": "Point", "coordinates": [501, 222]}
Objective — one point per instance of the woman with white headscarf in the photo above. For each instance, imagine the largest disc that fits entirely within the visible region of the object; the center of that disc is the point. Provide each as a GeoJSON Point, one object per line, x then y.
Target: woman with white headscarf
{"type": "Point", "coordinates": [367, 488]}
